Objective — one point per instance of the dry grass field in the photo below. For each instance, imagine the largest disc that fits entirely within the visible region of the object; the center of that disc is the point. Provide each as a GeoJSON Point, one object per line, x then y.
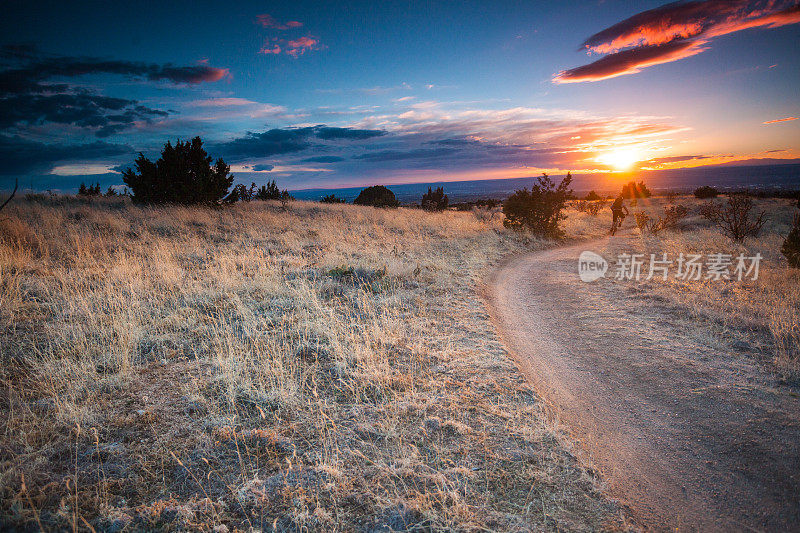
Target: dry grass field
{"type": "Point", "coordinates": [315, 367]}
{"type": "Point", "coordinates": [320, 367]}
{"type": "Point", "coordinates": [760, 317]}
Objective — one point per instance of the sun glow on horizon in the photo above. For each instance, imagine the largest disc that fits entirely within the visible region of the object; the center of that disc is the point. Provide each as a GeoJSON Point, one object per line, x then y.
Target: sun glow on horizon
{"type": "Point", "coordinates": [620, 159]}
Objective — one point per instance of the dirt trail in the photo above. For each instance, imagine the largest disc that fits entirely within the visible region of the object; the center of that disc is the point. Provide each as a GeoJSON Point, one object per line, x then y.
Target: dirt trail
{"type": "Point", "coordinates": [689, 436]}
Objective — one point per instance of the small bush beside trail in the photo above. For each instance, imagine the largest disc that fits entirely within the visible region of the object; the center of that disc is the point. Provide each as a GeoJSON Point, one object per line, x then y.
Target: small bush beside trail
{"type": "Point", "coordinates": [539, 210]}
{"type": "Point", "coordinates": [734, 219]}
{"type": "Point", "coordinates": [673, 214]}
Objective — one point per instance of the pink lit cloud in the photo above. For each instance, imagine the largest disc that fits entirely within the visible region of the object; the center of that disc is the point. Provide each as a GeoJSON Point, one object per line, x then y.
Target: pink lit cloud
{"type": "Point", "coordinates": [268, 21]}
{"type": "Point", "coordinates": [291, 47]}
{"type": "Point", "coordinates": [673, 32]}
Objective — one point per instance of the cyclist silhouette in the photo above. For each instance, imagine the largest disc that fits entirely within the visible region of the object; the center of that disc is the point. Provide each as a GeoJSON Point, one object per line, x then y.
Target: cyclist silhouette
{"type": "Point", "coordinates": [619, 212]}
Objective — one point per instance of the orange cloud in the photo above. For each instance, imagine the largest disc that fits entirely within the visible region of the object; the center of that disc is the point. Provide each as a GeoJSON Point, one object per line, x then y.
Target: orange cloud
{"type": "Point", "coordinates": [787, 119]}
{"type": "Point", "coordinates": [630, 61]}
{"type": "Point", "coordinates": [673, 32]}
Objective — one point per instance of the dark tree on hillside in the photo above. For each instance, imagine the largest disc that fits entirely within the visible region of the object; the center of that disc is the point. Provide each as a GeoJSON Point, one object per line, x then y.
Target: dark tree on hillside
{"type": "Point", "coordinates": [182, 175]}
{"type": "Point", "coordinates": [434, 200]}
{"type": "Point", "coordinates": [376, 196]}
{"type": "Point", "coordinates": [635, 190]}
{"type": "Point", "coordinates": [541, 209]}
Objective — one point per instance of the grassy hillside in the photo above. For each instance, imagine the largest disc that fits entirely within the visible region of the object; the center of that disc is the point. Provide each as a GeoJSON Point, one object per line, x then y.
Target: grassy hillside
{"type": "Point", "coordinates": [325, 367]}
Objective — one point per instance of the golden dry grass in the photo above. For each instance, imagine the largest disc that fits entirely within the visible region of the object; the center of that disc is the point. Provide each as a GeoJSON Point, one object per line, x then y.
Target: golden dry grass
{"type": "Point", "coordinates": [760, 316]}
{"type": "Point", "coordinates": [322, 367]}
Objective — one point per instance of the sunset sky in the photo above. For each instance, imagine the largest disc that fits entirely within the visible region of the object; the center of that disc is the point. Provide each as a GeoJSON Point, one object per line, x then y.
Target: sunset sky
{"type": "Point", "coordinates": [325, 94]}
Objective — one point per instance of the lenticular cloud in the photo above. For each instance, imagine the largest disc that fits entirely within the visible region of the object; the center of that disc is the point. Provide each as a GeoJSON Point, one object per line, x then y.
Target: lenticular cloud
{"type": "Point", "coordinates": [673, 32]}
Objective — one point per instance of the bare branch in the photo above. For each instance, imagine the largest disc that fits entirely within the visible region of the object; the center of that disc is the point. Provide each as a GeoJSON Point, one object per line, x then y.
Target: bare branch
{"type": "Point", "coordinates": [16, 185]}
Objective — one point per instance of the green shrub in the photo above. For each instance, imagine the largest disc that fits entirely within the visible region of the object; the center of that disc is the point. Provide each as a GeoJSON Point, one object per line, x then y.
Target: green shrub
{"type": "Point", "coordinates": [240, 193]}
{"type": "Point", "coordinates": [705, 192]}
{"type": "Point", "coordinates": [434, 200]}
{"type": "Point", "coordinates": [791, 246]}
{"type": "Point", "coordinates": [539, 210]}
{"type": "Point", "coordinates": [332, 199]}
{"type": "Point", "coordinates": [270, 192]}
{"type": "Point", "coordinates": [635, 190]}
{"type": "Point", "coordinates": [376, 196]}
{"type": "Point", "coordinates": [182, 175]}
{"type": "Point", "coordinates": [593, 197]}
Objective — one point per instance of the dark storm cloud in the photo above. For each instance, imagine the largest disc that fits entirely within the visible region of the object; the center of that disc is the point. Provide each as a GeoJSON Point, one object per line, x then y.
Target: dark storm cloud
{"type": "Point", "coordinates": [84, 109]}
{"type": "Point", "coordinates": [33, 69]}
{"type": "Point", "coordinates": [288, 140]}
{"type": "Point", "coordinates": [675, 31]}
{"type": "Point", "coordinates": [21, 156]}
{"type": "Point", "coordinates": [30, 96]}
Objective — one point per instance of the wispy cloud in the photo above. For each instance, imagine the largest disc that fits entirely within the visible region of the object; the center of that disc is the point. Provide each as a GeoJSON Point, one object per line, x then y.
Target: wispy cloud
{"type": "Point", "coordinates": [291, 47]}
{"type": "Point", "coordinates": [268, 21]}
{"type": "Point", "coordinates": [672, 32]}
{"type": "Point", "coordinates": [787, 119]}
{"type": "Point", "coordinates": [231, 108]}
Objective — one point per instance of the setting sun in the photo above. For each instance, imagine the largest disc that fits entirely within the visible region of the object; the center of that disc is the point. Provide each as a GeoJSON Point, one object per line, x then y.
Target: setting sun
{"type": "Point", "coordinates": [622, 159]}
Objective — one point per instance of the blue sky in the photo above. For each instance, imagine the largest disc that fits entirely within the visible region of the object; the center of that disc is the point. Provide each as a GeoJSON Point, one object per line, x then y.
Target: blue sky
{"type": "Point", "coordinates": [408, 91]}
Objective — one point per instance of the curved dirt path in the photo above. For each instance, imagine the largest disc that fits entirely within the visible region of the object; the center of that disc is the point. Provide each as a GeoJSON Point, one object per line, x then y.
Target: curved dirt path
{"type": "Point", "coordinates": [688, 436]}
